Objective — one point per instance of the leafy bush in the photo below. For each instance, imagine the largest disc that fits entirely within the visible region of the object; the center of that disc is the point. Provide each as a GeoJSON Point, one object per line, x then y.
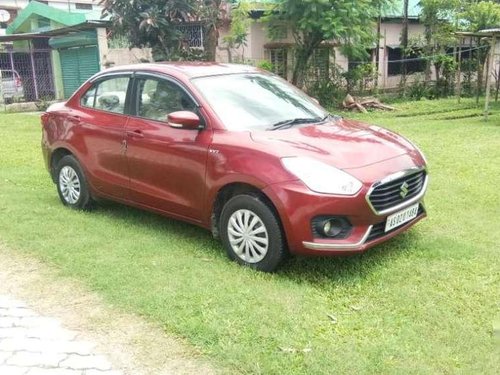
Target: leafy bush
{"type": "Point", "coordinates": [418, 89]}
{"type": "Point", "coordinates": [360, 77]}
{"type": "Point", "coordinates": [42, 104]}
{"type": "Point", "coordinates": [266, 65]}
{"type": "Point", "coordinates": [328, 92]}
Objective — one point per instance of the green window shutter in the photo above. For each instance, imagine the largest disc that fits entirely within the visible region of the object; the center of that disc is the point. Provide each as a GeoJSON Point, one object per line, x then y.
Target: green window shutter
{"type": "Point", "coordinates": [78, 64]}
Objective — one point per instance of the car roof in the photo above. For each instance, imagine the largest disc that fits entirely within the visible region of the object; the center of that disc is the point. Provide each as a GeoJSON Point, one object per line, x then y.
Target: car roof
{"type": "Point", "coordinates": [191, 69]}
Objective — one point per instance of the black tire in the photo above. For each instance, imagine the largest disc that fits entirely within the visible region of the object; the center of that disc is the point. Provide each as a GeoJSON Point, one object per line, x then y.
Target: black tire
{"type": "Point", "coordinates": [266, 258]}
{"type": "Point", "coordinates": [69, 175]}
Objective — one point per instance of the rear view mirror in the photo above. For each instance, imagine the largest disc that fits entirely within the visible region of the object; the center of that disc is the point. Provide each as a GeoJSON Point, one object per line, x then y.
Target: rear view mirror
{"type": "Point", "coordinates": [183, 119]}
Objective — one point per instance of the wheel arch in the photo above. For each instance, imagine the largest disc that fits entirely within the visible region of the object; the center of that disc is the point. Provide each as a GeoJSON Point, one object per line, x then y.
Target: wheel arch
{"type": "Point", "coordinates": [226, 192]}
{"type": "Point", "coordinates": [55, 157]}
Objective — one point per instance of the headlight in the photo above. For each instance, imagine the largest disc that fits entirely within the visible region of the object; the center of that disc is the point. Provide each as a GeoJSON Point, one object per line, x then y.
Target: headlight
{"type": "Point", "coordinates": [321, 177]}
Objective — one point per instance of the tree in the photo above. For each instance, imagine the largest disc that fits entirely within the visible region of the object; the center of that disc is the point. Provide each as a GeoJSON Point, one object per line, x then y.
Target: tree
{"type": "Point", "coordinates": [210, 13]}
{"type": "Point", "coordinates": [238, 31]}
{"type": "Point", "coordinates": [480, 16]}
{"type": "Point", "coordinates": [438, 17]}
{"type": "Point", "coordinates": [154, 23]}
{"type": "Point", "coordinates": [312, 22]}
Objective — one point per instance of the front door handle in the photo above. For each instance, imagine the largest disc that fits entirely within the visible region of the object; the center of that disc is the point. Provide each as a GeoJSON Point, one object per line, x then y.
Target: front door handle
{"type": "Point", "coordinates": [135, 133]}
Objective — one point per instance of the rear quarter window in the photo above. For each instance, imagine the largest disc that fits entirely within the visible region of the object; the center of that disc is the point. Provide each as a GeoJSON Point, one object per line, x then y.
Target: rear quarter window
{"type": "Point", "coordinates": [7, 74]}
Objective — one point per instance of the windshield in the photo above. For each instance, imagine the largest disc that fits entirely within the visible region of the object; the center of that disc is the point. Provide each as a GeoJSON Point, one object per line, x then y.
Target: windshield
{"type": "Point", "coordinates": [257, 101]}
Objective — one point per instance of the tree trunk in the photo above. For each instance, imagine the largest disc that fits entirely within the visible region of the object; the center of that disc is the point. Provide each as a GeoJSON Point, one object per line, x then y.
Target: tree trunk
{"type": "Point", "coordinates": [302, 56]}
{"type": "Point", "coordinates": [479, 72]}
{"type": "Point", "coordinates": [497, 84]}
{"type": "Point", "coordinates": [437, 68]}
{"type": "Point", "coordinates": [303, 53]}
{"type": "Point", "coordinates": [210, 43]}
{"type": "Point", "coordinates": [428, 40]}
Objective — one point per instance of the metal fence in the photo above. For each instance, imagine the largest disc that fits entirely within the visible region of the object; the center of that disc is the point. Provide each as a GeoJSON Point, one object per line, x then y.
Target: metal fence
{"type": "Point", "coordinates": [26, 75]}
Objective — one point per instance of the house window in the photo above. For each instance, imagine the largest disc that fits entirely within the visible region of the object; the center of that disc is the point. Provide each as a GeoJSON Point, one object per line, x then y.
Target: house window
{"type": "Point", "coordinates": [192, 34]}
{"type": "Point", "coordinates": [320, 63]}
{"type": "Point", "coordinates": [83, 6]}
{"type": "Point", "coordinates": [278, 57]}
{"type": "Point", "coordinates": [395, 66]}
{"type": "Point", "coordinates": [277, 31]}
{"type": "Point", "coordinates": [43, 23]}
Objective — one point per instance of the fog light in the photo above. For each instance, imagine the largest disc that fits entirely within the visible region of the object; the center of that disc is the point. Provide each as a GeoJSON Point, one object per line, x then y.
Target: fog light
{"type": "Point", "coordinates": [331, 227]}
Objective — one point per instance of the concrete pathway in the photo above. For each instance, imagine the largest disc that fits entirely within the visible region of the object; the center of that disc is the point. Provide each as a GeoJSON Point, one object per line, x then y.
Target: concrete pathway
{"type": "Point", "coordinates": [31, 344]}
{"type": "Point", "coordinates": [97, 337]}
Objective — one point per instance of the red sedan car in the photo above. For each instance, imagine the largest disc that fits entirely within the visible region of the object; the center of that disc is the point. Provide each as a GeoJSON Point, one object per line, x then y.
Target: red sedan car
{"type": "Point", "coordinates": [238, 151]}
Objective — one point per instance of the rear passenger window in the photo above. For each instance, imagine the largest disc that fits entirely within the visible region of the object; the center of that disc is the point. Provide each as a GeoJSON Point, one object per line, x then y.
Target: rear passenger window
{"type": "Point", "coordinates": [108, 95]}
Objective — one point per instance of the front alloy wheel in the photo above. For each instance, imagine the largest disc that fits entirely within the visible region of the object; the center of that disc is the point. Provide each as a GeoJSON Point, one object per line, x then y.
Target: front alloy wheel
{"type": "Point", "coordinates": [251, 233]}
{"type": "Point", "coordinates": [248, 236]}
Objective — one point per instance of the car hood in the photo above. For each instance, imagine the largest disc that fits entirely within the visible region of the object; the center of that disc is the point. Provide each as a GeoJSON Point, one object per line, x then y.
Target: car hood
{"type": "Point", "coordinates": [342, 143]}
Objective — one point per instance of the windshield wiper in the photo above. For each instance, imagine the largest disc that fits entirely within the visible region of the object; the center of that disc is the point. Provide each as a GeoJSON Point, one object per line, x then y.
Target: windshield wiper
{"type": "Point", "coordinates": [331, 117]}
{"type": "Point", "coordinates": [294, 121]}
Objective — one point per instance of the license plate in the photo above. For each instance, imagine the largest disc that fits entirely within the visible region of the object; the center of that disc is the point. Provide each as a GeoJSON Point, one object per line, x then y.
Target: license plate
{"type": "Point", "coordinates": [401, 217]}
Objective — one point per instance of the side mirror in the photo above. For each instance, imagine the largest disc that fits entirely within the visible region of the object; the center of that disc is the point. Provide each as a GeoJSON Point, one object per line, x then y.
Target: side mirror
{"type": "Point", "coordinates": [184, 120]}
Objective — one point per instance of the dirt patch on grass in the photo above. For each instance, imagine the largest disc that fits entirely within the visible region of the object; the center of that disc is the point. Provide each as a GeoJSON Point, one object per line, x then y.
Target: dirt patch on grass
{"type": "Point", "coordinates": [132, 344]}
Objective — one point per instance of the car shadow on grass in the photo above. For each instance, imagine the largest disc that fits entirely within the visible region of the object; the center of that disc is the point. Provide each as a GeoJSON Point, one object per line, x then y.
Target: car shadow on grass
{"type": "Point", "coordinates": [318, 270]}
{"type": "Point", "coordinates": [150, 221]}
{"type": "Point", "coordinates": [315, 270]}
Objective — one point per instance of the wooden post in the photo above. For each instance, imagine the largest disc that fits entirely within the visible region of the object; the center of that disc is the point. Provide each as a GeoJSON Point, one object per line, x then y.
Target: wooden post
{"type": "Point", "coordinates": [377, 51]}
{"type": "Point", "coordinates": [491, 58]}
{"type": "Point", "coordinates": [479, 71]}
{"type": "Point", "coordinates": [459, 76]}
{"type": "Point", "coordinates": [385, 60]}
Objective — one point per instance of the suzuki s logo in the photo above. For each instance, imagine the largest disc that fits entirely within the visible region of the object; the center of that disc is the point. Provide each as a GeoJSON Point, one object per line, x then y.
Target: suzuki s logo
{"type": "Point", "coordinates": [403, 190]}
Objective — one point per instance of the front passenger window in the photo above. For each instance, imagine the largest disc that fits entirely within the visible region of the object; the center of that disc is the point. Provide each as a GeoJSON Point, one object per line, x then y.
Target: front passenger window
{"type": "Point", "coordinates": [157, 98]}
{"type": "Point", "coordinates": [108, 95]}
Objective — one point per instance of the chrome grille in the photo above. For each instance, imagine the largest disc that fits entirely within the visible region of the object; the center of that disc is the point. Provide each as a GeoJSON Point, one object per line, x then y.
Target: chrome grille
{"type": "Point", "coordinates": [397, 191]}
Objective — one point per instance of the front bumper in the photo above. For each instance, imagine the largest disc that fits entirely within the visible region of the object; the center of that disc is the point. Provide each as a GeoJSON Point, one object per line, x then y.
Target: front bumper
{"type": "Point", "coordinates": [365, 242]}
{"type": "Point", "coordinates": [297, 206]}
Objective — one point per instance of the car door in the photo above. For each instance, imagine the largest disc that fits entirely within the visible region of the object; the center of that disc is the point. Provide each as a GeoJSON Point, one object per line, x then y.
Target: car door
{"type": "Point", "coordinates": [166, 164]}
{"type": "Point", "coordinates": [102, 116]}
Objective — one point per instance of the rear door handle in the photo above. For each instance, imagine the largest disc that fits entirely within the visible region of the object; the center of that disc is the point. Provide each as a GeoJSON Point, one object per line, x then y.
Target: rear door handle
{"type": "Point", "coordinates": [135, 133]}
{"type": "Point", "coordinates": [75, 118]}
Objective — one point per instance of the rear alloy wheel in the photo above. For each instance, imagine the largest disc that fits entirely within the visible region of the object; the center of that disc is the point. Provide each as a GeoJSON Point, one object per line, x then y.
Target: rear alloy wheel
{"type": "Point", "coordinates": [251, 233]}
{"type": "Point", "coordinates": [71, 184]}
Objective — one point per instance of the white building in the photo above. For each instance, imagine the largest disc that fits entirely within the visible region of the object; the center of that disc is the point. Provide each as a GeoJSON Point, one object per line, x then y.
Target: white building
{"type": "Point", "coordinates": [10, 8]}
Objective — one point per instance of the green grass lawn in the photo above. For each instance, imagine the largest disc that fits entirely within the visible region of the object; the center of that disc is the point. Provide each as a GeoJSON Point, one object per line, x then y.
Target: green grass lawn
{"type": "Point", "coordinates": [425, 302]}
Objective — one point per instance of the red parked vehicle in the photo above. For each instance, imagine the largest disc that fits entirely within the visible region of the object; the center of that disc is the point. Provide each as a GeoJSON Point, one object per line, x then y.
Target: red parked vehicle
{"type": "Point", "coordinates": [238, 151]}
